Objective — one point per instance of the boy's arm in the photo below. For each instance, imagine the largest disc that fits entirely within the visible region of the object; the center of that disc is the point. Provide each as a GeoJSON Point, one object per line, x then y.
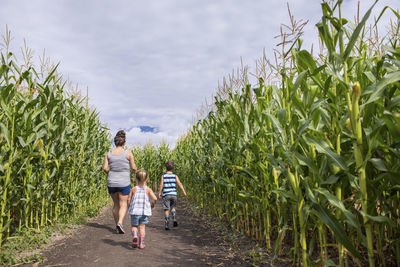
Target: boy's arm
{"type": "Point", "coordinates": [152, 197]}
{"type": "Point", "coordinates": [180, 185]}
{"type": "Point", "coordinates": [161, 186]}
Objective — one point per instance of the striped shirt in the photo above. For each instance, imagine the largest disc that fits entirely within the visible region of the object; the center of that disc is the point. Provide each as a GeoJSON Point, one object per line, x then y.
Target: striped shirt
{"type": "Point", "coordinates": [169, 186]}
{"type": "Point", "coordinates": [140, 202]}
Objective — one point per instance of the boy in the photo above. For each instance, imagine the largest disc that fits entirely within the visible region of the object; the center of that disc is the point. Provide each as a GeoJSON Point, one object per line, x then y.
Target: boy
{"type": "Point", "coordinates": [168, 191]}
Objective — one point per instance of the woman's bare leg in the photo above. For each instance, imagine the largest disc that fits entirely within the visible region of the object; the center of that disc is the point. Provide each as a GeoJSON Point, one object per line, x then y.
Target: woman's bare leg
{"type": "Point", "coordinates": [123, 206]}
{"type": "Point", "coordinates": [115, 198]}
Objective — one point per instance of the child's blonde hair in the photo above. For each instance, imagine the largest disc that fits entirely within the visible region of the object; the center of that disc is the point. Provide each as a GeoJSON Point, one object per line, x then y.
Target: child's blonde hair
{"type": "Point", "coordinates": [141, 175]}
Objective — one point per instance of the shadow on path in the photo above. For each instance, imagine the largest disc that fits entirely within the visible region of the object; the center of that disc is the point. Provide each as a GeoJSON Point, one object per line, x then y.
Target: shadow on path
{"type": "Point", "coordinates": [101, 226]}
{"type": "Point", "coordinates": [112, 242]}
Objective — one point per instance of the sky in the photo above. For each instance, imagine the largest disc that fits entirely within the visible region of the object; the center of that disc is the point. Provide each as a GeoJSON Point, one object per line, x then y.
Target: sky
{"type": "Point", "coordinates": [150, 65]}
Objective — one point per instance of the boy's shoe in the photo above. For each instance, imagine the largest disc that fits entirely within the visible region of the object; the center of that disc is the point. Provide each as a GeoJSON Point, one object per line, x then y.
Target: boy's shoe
{"type": "Point", "coordinates": [174, 218]}
{"type": "Point", "coordinates": [166, 222]}
{"type": "Point", "coordinates": [142, 245]}
{"type": "Point", "coordinates": [120, 230]}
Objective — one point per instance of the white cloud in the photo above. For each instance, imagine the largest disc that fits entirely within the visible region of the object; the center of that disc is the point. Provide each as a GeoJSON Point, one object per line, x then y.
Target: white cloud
{"type": "Point", "coordinates": [155, 62]}
{"type": "Point", "coordinates": [136, 137]}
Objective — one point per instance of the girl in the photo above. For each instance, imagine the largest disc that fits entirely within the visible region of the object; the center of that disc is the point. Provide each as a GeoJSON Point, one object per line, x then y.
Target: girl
{"type": "Point", "coordinates": [141, 201]}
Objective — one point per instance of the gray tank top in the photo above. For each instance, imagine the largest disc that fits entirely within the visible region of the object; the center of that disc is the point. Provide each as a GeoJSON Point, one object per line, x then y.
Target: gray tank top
{"type": "Point", "coordinates": [119, 174]}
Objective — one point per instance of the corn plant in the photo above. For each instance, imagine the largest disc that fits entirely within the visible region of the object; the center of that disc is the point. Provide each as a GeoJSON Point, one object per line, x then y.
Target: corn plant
{"type": "Point", "coordinates": [52, 146]}
{"type": "Point", "coordinates": [311, 160]}
{"type": "Point", "coordinates": [152, 158]}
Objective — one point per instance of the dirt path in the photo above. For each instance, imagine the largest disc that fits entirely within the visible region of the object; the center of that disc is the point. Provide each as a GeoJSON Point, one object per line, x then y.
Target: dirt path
{"type": "Point", "coordinates": [192, 243]}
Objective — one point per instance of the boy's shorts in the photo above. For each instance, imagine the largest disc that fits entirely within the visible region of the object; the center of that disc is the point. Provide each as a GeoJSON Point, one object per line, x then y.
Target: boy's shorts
{"type": "Point", "coordinates": [169, 202]}
{"type": "Point", "coordinates": [125, 190]}
{"type": "Point", "coordinates": [139, 219]}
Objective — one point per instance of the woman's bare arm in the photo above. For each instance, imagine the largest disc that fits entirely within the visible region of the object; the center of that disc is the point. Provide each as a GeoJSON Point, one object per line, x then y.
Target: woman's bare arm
{"type": "Point", "coordinates": [131, 161]}
{"type": "Point", "coordinates": [105, 164]}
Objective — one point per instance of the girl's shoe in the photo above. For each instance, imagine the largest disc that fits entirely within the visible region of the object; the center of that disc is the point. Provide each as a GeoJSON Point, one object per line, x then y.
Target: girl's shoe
{"type": "Point", "coordinates": [175, 223]}
{"type": "Point", "coordinates": [142, 245]}
{"type": "Point", "coordinates": [135, 242]}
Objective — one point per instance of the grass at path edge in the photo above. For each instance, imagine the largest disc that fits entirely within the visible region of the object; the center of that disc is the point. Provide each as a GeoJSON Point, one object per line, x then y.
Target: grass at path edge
{"type": "Point", "coordinates": [25, 246]}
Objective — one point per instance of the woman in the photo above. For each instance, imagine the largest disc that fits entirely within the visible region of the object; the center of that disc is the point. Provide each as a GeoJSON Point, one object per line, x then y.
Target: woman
{"type": "Point", "coordinates": [117, 164]}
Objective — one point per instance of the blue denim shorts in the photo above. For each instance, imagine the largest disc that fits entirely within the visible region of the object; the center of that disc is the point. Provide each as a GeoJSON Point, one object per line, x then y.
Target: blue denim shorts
{"type": "Point", "coordinates": [139, 219]}
{"type": "Point", "coordinates": [124, 190]}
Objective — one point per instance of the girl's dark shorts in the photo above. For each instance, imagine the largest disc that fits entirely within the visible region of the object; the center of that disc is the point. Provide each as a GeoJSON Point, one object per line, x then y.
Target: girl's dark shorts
{"type": "Point", "coordinates": [124, 190]}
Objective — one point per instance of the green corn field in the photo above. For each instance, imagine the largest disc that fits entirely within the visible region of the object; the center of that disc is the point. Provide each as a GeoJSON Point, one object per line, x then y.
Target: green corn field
{"type": "Point", "coordinates": [152, 158]}
{"type": "Point", "coordinates": [311, 162]}
{"type": "Point", "coordinates": [52, 147]}
{"type": "Point", "coordinates": [305, 161]}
